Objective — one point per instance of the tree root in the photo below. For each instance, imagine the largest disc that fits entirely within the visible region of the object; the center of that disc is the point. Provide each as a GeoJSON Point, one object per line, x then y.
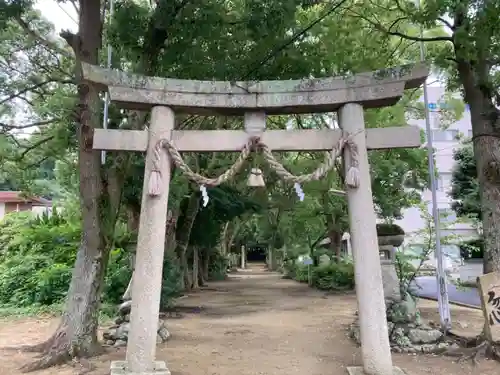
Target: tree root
{"type": "Point", "coordinates": [36, 348]}
{"type": "Point", "coordinates": [40, 347]}
{"type": "Point", "coordinates": [84, 365]}
{"type": "Point", "coordinates": [483, 349]}
{"type": "Point", "coordinates": [60, 349]}
{"type": "Point", "coordinates": [47, 359]}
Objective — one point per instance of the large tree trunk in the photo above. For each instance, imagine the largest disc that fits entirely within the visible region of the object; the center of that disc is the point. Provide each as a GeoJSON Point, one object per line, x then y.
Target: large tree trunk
{"type": "Point", "coordinates": [335, 243]}
{"type": "Point", "coordinates": [183, 234]}
{"type": "Point", "coordinates": [196, 269]}
{"type": "Point", "coordinates": [76, 335]}
{"type": "Point", "coordinates": [170, 239]}
{"type": "Point", "coordinates": [487, 154]}
{"type": "Point", "coordinates": [485, 119]}
{"type": "Point", "coordinates": [205, 264]}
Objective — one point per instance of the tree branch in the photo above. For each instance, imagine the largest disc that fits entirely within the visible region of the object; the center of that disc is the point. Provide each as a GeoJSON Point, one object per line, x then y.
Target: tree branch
{"type": "Point", "coordinates": [446, 23]}
{"type": "Point", "coordinates": [44, 42]}
{"type": "Point", "coordinates": [33, 88]}
{"type": "Point", "coordinates": [27, 126]}
{"type": "Point", "coordinates": [35, 145]}
{"type": "Point", "coordinates": [388, 31]}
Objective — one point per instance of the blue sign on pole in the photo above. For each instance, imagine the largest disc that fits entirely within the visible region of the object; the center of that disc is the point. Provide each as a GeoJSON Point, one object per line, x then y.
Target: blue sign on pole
{"type": "Point", "coordinates": [432, 105]}
{"type": "Point", "coordinates": [308, 262]}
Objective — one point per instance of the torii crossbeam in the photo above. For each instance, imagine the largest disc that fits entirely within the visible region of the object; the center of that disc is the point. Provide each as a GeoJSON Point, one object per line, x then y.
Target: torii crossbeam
{"type": "Point", "coordinates": [254, 100]}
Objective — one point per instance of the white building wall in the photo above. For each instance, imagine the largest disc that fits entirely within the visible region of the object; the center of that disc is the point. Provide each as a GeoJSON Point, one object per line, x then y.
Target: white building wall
{"type": "Point", "coordinates": [37, 210]}
{"type": "Point", "coordinates": [444, 142]}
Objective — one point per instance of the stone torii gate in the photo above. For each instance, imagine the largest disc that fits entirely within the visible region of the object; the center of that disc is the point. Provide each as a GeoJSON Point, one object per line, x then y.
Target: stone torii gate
{"type": "Point", "coordinates": [254, 100]}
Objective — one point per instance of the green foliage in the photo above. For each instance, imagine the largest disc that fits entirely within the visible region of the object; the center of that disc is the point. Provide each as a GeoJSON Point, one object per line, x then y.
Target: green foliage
{"type": "Point", "coordinates": [301, 273]}
{"type": "Point", "coordinates": [472, 249]}
{"type": "Point", "coordinates": [117, 276]}
{"type": "Point", "coordinates": [33, 280]}
{"type": "Point", "coordinates": [464, 183]}
{"type": "Point", "coordinates": [37, 256]}
{"type": "Point", "coordinates": [21, 234]}
{"type": "Point", "coordinates": [170, 287]}
{"type": "Point", "coordinates": [52, 283]}
{"type": "Point", "coordinates": [217, 268]}
{"type": "Point", "coordinates": [334, 276]}
{"type": "Point", "coordinates": [406, 270]}
{"type": "Point", "coordinates": [226, 203]}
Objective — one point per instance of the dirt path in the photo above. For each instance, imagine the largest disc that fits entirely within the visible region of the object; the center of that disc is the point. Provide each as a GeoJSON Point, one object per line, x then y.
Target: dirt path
{"type": "Point", "coordinates": [255, 323]}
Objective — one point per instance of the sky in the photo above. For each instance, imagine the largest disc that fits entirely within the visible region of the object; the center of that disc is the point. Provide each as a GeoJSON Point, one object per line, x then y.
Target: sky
{"type": "Point", "coordinates": [63, 16]}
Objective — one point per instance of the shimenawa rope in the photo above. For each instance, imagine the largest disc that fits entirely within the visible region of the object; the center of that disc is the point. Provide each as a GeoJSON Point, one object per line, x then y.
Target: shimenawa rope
{"type": "Point", "coordinates": [155, 184]}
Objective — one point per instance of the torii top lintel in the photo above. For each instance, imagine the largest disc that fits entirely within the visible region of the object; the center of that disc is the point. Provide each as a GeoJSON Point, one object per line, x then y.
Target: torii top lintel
{"type": "Point", "coordinates": [373, 89]}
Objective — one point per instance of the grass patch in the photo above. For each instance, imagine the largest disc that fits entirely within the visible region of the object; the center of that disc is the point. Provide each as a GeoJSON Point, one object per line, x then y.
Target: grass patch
{"type": "Point", "coordinates": [106, 312]}
{"type": "Point", "coordinates": [14, 312]}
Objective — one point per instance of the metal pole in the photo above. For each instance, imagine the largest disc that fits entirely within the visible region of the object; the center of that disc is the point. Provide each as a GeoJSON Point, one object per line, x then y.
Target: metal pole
{"type": "Point", "coordinates": [106, 97]}
{"type": "Point", "coordinates": [443, 302]}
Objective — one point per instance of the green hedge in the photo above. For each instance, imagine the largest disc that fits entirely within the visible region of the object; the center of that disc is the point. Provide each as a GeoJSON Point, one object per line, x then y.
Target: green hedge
{"type": "Point", "coordinates": [334, 276]}
{"type": "Point", "coordinates": [327, 277]}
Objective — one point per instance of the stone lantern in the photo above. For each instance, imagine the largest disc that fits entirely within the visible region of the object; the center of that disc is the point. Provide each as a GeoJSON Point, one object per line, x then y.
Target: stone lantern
{"type": "Point", "coordinates": [389, 236]}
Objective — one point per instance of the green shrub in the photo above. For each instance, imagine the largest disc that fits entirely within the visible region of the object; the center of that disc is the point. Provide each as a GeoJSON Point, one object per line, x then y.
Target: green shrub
{"type": "Point", "coordinates": [301, 273]}
{"type": "Point", "coordinates": [334, 276]}
{"type": "Point", "coordinates": [23, 234]}
{"type": "Point", "coordinates": [52, 283]}
{"type": "Point", "coordinates": [217, 268]}
{"type": "Point", "coordinates": [289, 268]}
{"type": "Point", "coordinates": [37, 256]}
{"type": "Point", "coordinates": [170, 287]}
{"type": "Point", "coordinates": [117, 276]}
{"type": "Point", "coordinates": [405, 270]}
{"type": "Point", "coordinates": [32, 279]}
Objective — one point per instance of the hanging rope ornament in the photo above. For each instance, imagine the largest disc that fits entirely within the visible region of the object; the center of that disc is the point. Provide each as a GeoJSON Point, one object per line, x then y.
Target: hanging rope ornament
{"type": "Point", "coordinates": [204, 195]}
{"type": "Point", "coordinates": [255, 179]}
{"type": "Point", "coordinates": [156, 184]}
{"type": "Point", "coordinates": [352, 177]}
{"type": "Point", "coordinates": [299, 191]}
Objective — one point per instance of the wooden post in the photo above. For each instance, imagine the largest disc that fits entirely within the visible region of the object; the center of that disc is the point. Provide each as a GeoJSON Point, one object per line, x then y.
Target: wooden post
{"type": "Point", "coordinates": [146, 288]}
{"type": "Point", "coordinates": [243, 257]}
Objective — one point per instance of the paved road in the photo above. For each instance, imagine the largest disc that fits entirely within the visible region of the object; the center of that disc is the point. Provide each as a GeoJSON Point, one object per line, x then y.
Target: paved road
{"type": "Point", "coordinates": [426, 286]}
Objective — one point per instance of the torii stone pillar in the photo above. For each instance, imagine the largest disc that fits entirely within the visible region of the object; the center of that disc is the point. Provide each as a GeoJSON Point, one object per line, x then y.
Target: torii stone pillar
{"type": "Point", "coordinates": [254, 101]}
{"type": "Point", "coordinates": [363, 236]}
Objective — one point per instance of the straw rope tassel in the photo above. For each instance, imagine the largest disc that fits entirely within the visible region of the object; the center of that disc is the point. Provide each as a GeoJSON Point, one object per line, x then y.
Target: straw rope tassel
{"type": "Point", "coordinates": [155, 183]}
{"type": "Point", "coordinates": [352, 178]}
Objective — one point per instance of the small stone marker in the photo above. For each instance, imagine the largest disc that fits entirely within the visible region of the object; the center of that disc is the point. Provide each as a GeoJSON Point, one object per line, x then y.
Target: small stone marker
{"type": "Point", "coordinates": [489, 290]}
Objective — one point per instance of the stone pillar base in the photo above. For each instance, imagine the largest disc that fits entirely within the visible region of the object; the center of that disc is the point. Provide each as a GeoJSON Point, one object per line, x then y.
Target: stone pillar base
{"type": "Point", "coordinates": [358, 370]}
{"type": "Point", "coordinates": [120, 368]}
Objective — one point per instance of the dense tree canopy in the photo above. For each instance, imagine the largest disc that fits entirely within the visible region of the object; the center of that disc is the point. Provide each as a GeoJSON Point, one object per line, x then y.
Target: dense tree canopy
{"type": "Point", "coordinates": [465, 188]}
